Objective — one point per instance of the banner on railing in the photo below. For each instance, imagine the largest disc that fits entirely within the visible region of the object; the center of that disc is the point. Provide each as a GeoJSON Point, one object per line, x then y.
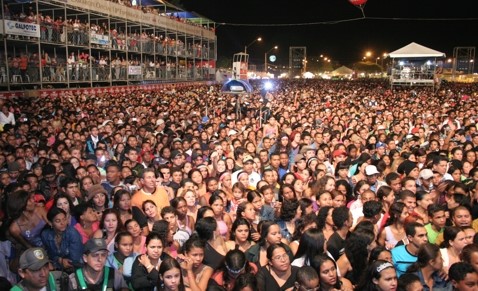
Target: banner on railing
{"type": "Point", "coordinates": [100, 39]}
{"type": "Point", "coordinates": [21, 28]}
{"type": "Point", "coordinates": [134, 70]}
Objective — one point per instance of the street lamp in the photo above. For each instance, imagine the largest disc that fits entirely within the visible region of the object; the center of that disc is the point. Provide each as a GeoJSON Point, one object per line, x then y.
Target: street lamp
{"type": "Point", "coordinates": [245, 47]}
{"type": "Point", "coordinates": [265, 57]}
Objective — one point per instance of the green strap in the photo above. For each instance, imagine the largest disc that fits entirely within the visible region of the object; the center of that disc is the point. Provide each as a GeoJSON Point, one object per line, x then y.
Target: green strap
{"type": "Point", "coordinates": [51, 282]}
{"type": "Point", "coordinates": [117, 261]}
{"type": "Point", "coordinates": [81, 278]}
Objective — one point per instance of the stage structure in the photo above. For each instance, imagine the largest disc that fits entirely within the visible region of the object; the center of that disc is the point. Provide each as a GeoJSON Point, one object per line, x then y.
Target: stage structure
{"type": "Point", "coordinates": [297, 61]}
{"type": "Point", "coordinates": [415, 65]}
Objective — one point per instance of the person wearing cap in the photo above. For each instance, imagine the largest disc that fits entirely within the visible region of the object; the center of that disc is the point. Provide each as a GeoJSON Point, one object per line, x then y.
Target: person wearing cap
{"type": "Point", "coordinates": [177, 158]}
{"type": "Point", "coordinates": [425, 180]}
{"type": "Point", "coordinates": [98, 199]}
{"type": "Point", "coordinates": [408, 168]}
{"type": "Point", "coordinates": [299, 164]}
{"type": "Point", "coordinates": [13, 171]}
{"type": "Point", "coordinates": [248, 167]}
{"type": "Point", "coordinates": [308, 152]}
{"type": "Point", "coordinates": [95, 275]}
{"type": "Point", "coordinates": [371, 175]}
{"type": "Point", "coordinates": [35, 274]}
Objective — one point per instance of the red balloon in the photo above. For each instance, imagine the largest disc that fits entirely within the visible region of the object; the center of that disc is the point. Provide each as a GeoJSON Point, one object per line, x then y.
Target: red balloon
{"type": "Point", "coordinates": [358, 2]}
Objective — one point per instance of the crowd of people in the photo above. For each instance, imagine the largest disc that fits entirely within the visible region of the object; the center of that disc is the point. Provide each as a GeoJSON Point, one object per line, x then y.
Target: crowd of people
{"type": "Point", "coordinates": [310, 185]}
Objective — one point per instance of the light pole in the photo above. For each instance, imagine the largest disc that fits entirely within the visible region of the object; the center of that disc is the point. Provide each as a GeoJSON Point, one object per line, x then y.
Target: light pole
{"type": "Point", "coordinates": [265, 58]}
{"type": "Point", "coordinates": [252, 42]}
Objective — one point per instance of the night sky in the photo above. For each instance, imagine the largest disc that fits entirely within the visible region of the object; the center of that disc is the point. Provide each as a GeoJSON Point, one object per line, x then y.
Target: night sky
{"type": "Point", "coordinates": [345, 42]}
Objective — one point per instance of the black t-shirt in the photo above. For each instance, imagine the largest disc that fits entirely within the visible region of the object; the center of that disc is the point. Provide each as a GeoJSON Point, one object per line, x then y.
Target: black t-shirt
{"type": "Point", "coordinates": [335, 245]}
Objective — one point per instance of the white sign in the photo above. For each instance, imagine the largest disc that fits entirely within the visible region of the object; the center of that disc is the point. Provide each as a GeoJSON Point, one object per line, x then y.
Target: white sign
{"type": "Point", "coordinates": [21, 28]}
{"type": "Point", "coordinates": [134, 70]}
{"type": "Point", "coordinates": [100, 39]}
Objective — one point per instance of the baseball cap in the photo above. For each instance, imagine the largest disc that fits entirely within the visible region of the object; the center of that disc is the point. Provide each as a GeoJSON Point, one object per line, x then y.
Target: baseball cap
{"type": "Point", "coordinates": [306, 149]}
{"type": "Point", "coordinates": [338, 152]}
{"type": "Point", "coordinates": [34, 259]}
{"type": "Point", "coordinates": [298, 158]}
{"type": "Point", "coordinates": [232, 132]}
{"type": "Point", "coordinates": [247, 158]}
{"type": "Point", "coordinates": [406, 167]}
{"type": "Point", "coordinates": [175, 154]}
{"type": "Point", "coordinates": [94, 245]}
{"type": "Point", "coordinates": [426, 174]}
{"type": "Point", "coordinates": [371, 170]}
{"type": "Point", "coordinates": [380, 144]}
{"type": "Point", "coordinates": [159, 122]}
{"type": "Point", "coordinates": [13, 167]}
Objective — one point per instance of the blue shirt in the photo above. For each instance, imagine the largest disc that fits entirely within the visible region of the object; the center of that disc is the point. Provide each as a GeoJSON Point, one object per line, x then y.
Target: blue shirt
{"type": "Point", "coordinates": [402, 259]}
{"type": "Point", "coordinates": [71, 246]}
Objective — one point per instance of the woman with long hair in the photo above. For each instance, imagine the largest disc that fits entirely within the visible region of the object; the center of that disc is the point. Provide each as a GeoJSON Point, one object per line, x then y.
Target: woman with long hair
{"type": "Point", "coordinates": [270, 235]}
{"type": "Point", "coordinates": [195, 273]}
{"type": "Point", "coordinates": [110, 225]}
{"type": "Point", "coordinates": [325, 222]}
{"type": "Point", "coordinates": [170, 278]}
{"type": "Point", "coordinates": [152, 213]}
{"type": "Point", "coordinates": [304, 223]}
{"type": "Point", "coordinates": [192, 206]}
{"type": "Point", "coordinates": [122, 204]}
{"type": "Point", "coordinates": [246, 210]}
{"type": "Point", "coordinates": [278, 274]}
{"type": "Point", "coordinates": [312, 243]}
{"type": "Point", "coordinates": [263, 212]}
{"type": "Point", "coordinates": [139, 240]}
{"type": "Point", "coordinates": [27, 219]}
{"type": "Point", "coordinates": [394, 230]}
{"type": "Point", "coordinates": [379, 276]}
{"type": "Point", "coordinates": [64, 202]}
{"type": "Point", "coordinates": [144, 275]}
{"type": "Point", "coordinates": [428, 266]}
{"type": "Point", "coordinates": [386, 195]}
{"type": "Point", "coordinates": [355, 258]}
{"type": "Point", "coordinates": [359, 189]}
{"type": "Point", "coordinates": [196, 176]}
{"type": "Point", "coordinates": [123, 256]}
{"type": "Point", "coordinates": [424, 199]}
{"type": "Point", "coordinates": [223, 219]}
{"type": "Point", "coordinates": [329, 280]}
{"type": "Point", "coordinates": [240, 235]}
{"type": "Point", "coordinates": [235, 264]}
{"type": "Point", "coordinates": [215, 246]}
{"type": "Point", "coordinates": [290, 212]}
{"type": "Point", "coordinates": [185, 221]}
{"type": "Point", "coordinates": [454, 240]}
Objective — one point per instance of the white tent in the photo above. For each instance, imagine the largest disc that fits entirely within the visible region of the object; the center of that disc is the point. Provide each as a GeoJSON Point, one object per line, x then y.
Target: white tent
{"type": "Point", "coordinates": [415, 50]}
{"type": "Point", "coordinates": [342, 71]}
{"type": "Point", "coordinates": [414, 65]}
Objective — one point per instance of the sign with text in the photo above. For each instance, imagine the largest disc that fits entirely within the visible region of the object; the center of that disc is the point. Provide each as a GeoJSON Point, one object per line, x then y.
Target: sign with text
{"type": "Point", "coordinates": [21, 28]}
{"type": "Point", "coordinates": [100, 39]}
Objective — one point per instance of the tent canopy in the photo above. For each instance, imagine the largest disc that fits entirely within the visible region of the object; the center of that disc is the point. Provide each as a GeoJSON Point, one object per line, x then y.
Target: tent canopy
{"type": "Point", "coordinates": [414, 50]}
{"type": "Point", "coordinates": [342, 71]}
{"type": "Point", "coordinates": [237, 86]}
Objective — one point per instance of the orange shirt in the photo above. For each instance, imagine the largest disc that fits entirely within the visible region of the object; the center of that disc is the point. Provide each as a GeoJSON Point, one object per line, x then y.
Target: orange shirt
{"type": "Point", "coordinates": [159, 197]}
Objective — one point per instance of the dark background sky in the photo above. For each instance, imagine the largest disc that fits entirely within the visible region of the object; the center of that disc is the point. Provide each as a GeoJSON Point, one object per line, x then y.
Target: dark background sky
{"type": "Point", "coordinates": [345, 42]}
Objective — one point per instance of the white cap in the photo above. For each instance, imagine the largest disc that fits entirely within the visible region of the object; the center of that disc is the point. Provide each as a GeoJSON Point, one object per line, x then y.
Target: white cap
{"type": "Point", "coordinates": [159, 122]}
{"type": "Point", "coordinates": [232, 132]}
{"type": "Point", "coordinates": [425, 174]}
{"type": "Point", "coordinates": [371, 170]}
